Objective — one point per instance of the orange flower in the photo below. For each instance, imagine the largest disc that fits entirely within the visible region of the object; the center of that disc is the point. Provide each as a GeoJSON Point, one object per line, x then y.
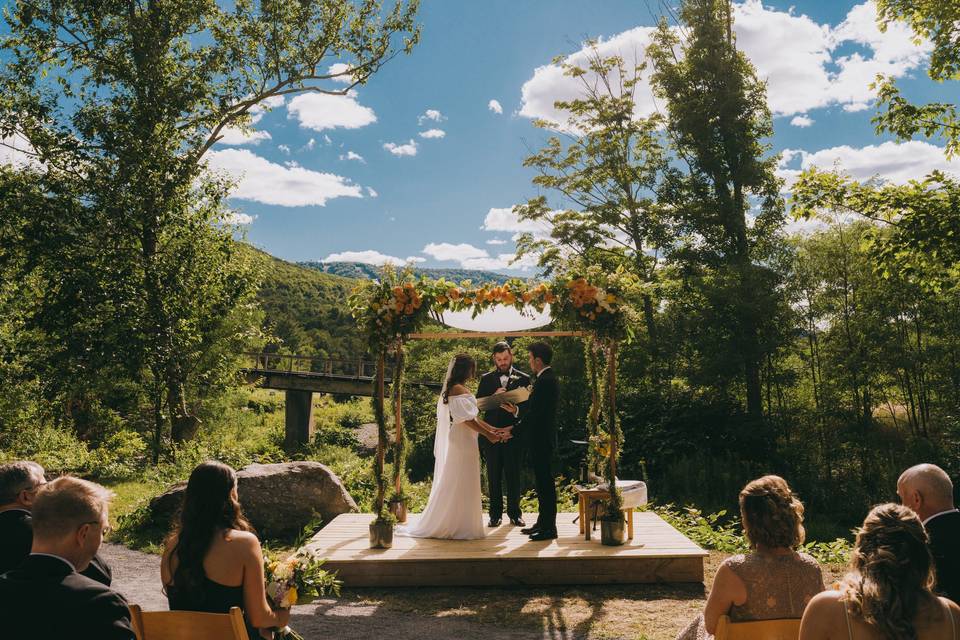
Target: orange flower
{"type": "Point", "coordinates": [408, 309]}
{"type": "Point", "coordinates": [526, 296]}
{"type": "Point", "coordinates": [441, 299]}
{"type": "Point", "coordinates": [454, 294]}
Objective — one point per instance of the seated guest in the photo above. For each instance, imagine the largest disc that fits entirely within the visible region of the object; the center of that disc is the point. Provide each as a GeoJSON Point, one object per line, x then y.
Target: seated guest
{"type": "Point", "coordinates": [212, 560]}
{"type": "Point", "coordinates": [928, 491]}
{"type": "Point", "coordinates": [45, 596]}
{"type": "Point", "coordinates": [773, 580]}
{"type": "Point", "coordinates": [19, 483]}
{"type": "Point", "coordinates": [888, 592]}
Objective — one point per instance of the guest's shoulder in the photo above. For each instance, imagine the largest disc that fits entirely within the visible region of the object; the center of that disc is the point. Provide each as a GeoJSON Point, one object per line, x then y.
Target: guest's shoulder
{"type": "Point", "coordinates": [242, 542]}
{"type": "Point", "coordinates": [488, 375]}
{"type": "Point", "coordinates": [735, 561]}
{"type": "Point", "coordinates": [807, 560]}
{"type": "Point", "coordinates": [521, 374]}
{"type": "Point", "coordinates": [15, 518]}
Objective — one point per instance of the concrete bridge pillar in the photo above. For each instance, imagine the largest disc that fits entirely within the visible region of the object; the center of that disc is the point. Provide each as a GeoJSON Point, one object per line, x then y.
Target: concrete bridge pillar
{"type": "Point", "coordinates": [298, 419]}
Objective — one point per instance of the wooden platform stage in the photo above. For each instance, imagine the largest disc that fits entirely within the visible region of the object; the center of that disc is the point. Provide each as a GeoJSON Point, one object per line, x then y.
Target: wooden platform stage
{"type": "Point", "coordinates": [658, 553]}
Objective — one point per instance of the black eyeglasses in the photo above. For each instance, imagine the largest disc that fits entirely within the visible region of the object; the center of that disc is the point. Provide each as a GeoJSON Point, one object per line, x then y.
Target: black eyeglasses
{"type": "Point", "coordinates": [104, 528]}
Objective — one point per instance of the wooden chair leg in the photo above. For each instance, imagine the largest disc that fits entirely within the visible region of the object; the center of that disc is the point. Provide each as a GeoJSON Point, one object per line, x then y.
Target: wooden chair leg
{"type": "Point", "coordinates": [630, 524]}
{"type": "Point", "coordinates": [583, 511]}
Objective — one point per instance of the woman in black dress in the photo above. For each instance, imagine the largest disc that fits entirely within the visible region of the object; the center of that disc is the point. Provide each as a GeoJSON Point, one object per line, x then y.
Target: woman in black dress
{"type": "Point", "coordinates": [212, 559]}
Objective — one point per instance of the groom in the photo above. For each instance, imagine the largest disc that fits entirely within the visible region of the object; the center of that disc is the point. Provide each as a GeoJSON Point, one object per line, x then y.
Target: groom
{"type": "Point", "coordinates": [538, 417]}
{"type": "Point", "coordinates": [503, 458]}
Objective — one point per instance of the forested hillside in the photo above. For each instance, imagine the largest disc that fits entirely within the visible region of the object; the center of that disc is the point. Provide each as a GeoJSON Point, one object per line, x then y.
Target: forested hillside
{"type": "Point", "coordinates": [361, 270]}
{"type": "Point", "coordinates": [306, 309]}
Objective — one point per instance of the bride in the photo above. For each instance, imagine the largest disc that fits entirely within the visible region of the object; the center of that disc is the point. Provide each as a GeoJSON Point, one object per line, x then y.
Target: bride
{"type": "Point", "coordinates": [454, 510]}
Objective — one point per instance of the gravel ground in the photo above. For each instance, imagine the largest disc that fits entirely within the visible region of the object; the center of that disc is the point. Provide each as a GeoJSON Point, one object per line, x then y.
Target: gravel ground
{"type": "Point", "coordinates": [137, 576]}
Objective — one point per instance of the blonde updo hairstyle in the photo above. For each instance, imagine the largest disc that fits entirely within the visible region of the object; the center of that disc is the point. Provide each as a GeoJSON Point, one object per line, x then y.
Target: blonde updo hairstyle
{"type": "Point", "coordinates": [893, 571]}
{"type": "Point", "coordinates": [772, 515]}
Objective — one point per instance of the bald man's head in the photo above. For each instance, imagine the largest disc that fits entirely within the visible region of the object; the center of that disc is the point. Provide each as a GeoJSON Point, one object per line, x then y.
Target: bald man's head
{"type": "Point", "coordinates": [927, 489]}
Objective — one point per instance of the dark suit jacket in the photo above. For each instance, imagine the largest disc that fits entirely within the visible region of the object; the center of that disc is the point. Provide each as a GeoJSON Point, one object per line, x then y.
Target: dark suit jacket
{"type": "Point", "coordinates": [944, 532]}
{"type": "Point", "coordinates": [490, 382]}
{"type": "Point", "coordinates": [45, 598]}
{"type": "Point", "coordinates": [539, 417]}
{"type": "Point", "coordinates": [16, 540]}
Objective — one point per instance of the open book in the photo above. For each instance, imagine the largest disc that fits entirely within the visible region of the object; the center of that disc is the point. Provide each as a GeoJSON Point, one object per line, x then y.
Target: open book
{"type": "Point", "coordinates": [516, 396]}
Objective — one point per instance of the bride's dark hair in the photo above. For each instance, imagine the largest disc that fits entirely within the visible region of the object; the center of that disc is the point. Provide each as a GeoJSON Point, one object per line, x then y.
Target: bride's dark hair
{"type": "Point", "coordinates": [463, 369]}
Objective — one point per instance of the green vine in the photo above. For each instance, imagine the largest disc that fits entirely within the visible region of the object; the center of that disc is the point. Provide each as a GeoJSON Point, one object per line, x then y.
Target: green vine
{"type": "Point", "coordinates": [615, 505]}
{"type": "Point", "coordinates": [378, 463]}
{"type": "Point", "coordinates": [400, 441]}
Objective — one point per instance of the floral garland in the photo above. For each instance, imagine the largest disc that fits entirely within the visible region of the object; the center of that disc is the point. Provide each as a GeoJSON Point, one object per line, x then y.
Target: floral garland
{"type": "Point", "coordinates": [390, 309]}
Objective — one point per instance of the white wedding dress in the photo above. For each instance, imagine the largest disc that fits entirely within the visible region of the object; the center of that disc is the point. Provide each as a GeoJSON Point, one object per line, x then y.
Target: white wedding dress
{"type": "Point", "coordinates": [454, 510]}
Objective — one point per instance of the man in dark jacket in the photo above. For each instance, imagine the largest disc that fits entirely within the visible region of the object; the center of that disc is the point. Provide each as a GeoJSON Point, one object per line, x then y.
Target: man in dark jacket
{"type": "Point", "coordinates": [928, 490]}
{"type": "Point", "coordinates": [19, 483]}
{"type": "Point", "coordinates": [502, 458]}
{"type": "Point", "coordinates": [538, 420]}
{"type": "Point", "coordinates": [45, 596]}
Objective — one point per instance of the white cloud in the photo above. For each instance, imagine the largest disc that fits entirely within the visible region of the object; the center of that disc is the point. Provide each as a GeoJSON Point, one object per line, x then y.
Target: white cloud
{"type": "Point", "coordinates": [457, 252]}
{"type": "Point", "coordinates": [341, 68]}
{"type": "Point", "coordinates": [471, 257]}
{"type": "Point", "coordinates": [352, 155]}
{"type": "Point", "coordinates": [263, 181]}
{"type": "Point", "coordinates": [234, 136]}
{"type": "Point", "coordinates": [802, 121]}
{"type": "Point", "coordinates": [284, 148]}
{"type": "Point", "coordinates": [433, 133]}
{"type": "Point", "coordinates": [310, 145]}
{"type": "Point", "coordinates": [403, 149]}
{"type": "Point", "coordinates": [372, 192]}
{"type": "Point", "coordinates": [15, 150]}
{"type": "Point", "coordinates": [430, 114]}
{"type": "Point", "coordinates": [320, 111]}
{"type": "Point", "coordinates": [368, 256]}
{"type": "Point", "coordinates": [505, 220]}
{"type": "Point", "coordinates": [326, 140]}
{"type": "Point", "coordinates": [494, 105]}
{"type": "Point", "coordinates": [496, 241]}
{"type": "Point", "coordinates": [239, 218]}
{"type": "Point", "coordinates": [811, 73]}
{"type": "Point", "coordinates": [889, 162]}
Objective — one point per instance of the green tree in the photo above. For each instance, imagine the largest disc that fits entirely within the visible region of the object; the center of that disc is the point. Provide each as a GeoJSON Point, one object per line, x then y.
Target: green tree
{"type": "Point", "coordinates": [606, 166]}
{"type": "Point", "coordinates": [119, 103]}
{"type": "Point", "coordinates": [718, 119]}
{"type": "Point", "coordinates": [939, 22]}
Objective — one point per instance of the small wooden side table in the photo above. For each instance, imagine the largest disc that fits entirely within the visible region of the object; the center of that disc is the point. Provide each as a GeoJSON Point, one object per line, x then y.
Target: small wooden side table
{"type": "Point", "coordinates": [600, 493]}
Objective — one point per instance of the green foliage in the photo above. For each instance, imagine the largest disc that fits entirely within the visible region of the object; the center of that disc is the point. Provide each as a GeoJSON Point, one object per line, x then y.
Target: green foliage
{"type": "Point", "coordinates": [360, 270]}
{"type": "Point", "coordinates": [938, 22]}
{"type": "Point", "coordinates": [120, 222]}
{"type": "Point", "coordinates": [718, 531]}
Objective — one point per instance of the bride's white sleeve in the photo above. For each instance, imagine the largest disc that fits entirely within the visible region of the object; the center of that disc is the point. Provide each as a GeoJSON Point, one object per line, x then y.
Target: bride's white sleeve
{"type": "Point", "coordinates": [463, 408]}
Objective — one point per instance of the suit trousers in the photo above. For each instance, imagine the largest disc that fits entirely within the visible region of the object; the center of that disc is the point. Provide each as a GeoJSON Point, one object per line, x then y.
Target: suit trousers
{"type": "Point", "coordinates": [546, 489]}
{"type": "Point", "coordinates": [503, 463]}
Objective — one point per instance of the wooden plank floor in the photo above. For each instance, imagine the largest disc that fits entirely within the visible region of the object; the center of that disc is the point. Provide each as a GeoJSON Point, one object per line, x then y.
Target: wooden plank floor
{"type": "Point", "coordinates": [658, 553]}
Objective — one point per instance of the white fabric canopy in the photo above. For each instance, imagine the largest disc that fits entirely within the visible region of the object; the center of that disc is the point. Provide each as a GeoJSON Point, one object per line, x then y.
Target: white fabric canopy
{"type": "Point", "coordinates": [498, 319]}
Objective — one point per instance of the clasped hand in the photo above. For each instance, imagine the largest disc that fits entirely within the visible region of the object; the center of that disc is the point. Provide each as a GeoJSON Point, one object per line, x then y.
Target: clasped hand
{"type": "Point", "coordinates": [500, 435]}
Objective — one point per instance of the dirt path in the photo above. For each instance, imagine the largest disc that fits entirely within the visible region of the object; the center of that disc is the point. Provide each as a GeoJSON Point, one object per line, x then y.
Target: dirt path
{"type": "Point", "coordinates": [355, 616]}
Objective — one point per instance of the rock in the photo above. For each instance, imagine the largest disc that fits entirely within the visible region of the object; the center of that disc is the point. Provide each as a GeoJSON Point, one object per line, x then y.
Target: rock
{"type": "Point", "coordinates": [278, 499]}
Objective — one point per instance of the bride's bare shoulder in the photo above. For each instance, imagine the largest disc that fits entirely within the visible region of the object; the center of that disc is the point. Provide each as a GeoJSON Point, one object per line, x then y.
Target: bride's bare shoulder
{"type": "Point", "coordinates": [458, 390]}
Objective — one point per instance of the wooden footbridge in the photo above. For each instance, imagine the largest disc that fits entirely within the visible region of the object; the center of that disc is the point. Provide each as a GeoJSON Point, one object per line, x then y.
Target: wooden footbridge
{"type": "Point", "coordinates": [299, 377]}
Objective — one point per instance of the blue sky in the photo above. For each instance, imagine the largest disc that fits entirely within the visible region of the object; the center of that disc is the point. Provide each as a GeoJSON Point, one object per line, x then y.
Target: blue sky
{"type": "Point", "coordinates": [304, 194]}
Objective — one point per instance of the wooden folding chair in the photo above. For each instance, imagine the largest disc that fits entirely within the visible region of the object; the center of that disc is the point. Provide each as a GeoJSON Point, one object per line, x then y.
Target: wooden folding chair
{"type": "Point", "coordinates": [781, 629]}
{"type": "Point", "coordinates": [188, 625]}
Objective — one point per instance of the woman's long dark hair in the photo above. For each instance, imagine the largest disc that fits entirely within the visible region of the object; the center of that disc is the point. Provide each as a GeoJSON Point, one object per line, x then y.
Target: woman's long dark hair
{"type": "Point", "coordinates": [208, 510]}
{"type": "Point", "coordinates": [464, 367]}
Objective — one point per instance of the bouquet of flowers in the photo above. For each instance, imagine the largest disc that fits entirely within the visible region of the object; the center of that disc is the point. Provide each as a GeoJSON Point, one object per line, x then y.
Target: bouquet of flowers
{"type": "Point", "coordinates": [300, 575]}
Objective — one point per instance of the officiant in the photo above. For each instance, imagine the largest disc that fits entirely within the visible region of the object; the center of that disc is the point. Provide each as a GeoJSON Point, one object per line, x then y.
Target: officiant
{"type": "Point", "coordinates": [502, 458]}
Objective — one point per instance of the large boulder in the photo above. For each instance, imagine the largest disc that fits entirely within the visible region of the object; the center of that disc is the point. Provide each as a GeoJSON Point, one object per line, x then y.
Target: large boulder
{"type": "Point", "coordinates": [278, 499]}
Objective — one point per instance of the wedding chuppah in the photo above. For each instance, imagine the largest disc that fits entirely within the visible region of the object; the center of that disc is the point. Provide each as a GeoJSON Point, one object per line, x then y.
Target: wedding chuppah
{"type": "Point", "coordinates": [449, 543]}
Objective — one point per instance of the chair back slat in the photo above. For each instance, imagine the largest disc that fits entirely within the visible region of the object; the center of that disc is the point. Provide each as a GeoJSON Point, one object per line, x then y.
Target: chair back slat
{"type": "Point", "coordinates": [188, 625]}
{"type": "Point", "coordinates": [782, 629]}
